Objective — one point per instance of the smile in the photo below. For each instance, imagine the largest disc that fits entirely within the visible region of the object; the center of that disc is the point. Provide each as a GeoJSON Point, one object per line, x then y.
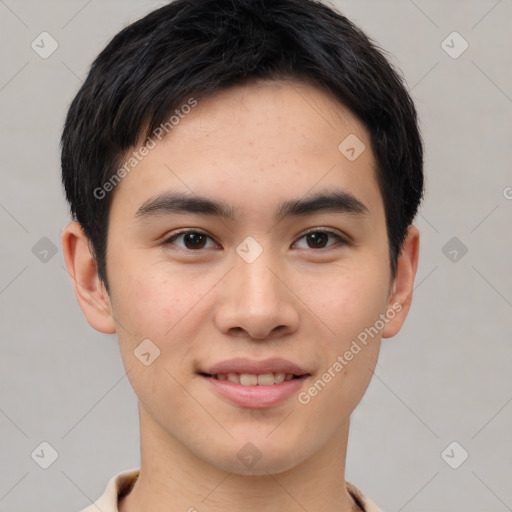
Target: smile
{"type": "Point", "coordinates": [250, 379]}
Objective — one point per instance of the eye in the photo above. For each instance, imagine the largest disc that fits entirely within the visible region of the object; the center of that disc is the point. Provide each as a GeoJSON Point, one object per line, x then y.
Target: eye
{"type": "Point", "coordinates": [315, 238]}
{"type": "Point", "coordinates": [318, 238]}
{"type": "Point", "coordinates": [191, 240]}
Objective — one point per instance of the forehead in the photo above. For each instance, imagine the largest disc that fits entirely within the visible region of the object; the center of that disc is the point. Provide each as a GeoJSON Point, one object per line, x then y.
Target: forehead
{"type": "Point", "coordinates": [300, 115]}
{"type": "Point", "coordinates": [257, 143]}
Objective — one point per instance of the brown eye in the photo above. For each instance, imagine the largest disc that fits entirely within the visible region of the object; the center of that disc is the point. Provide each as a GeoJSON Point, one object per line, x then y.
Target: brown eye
{"type": "Point", "coordinates": [319, 239]}
{"type": "Point", "coordinates": [191, 240]}
{"type": "Point", "coordinates": [194, 240]}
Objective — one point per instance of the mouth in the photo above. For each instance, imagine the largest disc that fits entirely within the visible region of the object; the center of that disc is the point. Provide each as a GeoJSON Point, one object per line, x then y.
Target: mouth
{"type": "Point", "coordinates": [252, 379]}
{"type": "Point", "coordinates": [255, 384]}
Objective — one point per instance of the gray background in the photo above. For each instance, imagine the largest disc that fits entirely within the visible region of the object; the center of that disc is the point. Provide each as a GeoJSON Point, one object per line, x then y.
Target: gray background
{"type": "Point", "coordinates": [446, 377]}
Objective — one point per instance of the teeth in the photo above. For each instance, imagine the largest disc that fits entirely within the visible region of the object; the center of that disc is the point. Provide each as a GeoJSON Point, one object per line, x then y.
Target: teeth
{"type": "Point", "coordinates": [279, 377]}
{"type": "Point", "coordinates": [248, 379]}
{"type": "Point", "coordinates": [233, 377]}
{"type": "Point", "coordinates": [265, 379]}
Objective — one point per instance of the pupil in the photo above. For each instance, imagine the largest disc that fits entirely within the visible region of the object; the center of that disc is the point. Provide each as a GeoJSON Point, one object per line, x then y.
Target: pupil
{"type": "Point", "coordinates": [317, 239]}
{"type": "Point", "coordinates": [194, 240]}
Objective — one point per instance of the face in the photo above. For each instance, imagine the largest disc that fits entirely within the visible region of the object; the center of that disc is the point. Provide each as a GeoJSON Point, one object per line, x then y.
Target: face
{"type": "Point", "coordinates": [246, 249]}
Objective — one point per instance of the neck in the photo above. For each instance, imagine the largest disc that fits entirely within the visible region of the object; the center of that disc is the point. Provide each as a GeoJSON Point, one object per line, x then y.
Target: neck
{"type": "Point", "coordinates": [172, 478]}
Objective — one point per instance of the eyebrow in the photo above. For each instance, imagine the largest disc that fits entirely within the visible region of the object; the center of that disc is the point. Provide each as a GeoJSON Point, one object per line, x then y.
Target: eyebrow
{"type": "Point", "coordinates": [336, 201]}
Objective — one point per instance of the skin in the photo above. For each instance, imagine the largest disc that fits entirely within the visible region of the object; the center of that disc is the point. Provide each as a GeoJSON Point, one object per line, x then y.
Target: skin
{"type": "Point", "coordinates": [252, 147]}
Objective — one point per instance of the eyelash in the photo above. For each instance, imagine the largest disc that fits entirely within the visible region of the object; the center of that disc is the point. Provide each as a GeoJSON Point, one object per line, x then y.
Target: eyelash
{"type": "Point", "coordinates": [339, 238]}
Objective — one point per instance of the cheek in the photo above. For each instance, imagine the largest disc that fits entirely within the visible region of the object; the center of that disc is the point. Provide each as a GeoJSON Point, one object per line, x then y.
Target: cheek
{"type": "Point", "coordinates": [169, 308]}
{"type": "Point", "coordinates": [158, 307]}
{"type": "Point", "coordinates": [349, 299]}
{"type": "Point", "coordinates": [153, 303]}
{"type": "Point", "coordinates": [355, 300]}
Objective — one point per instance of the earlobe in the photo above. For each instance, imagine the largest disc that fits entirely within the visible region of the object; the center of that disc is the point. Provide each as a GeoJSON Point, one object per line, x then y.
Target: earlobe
{"type": "Point", "coordinates": [401, 297]}
{"type": "Point", "coordinates": [89, 290]}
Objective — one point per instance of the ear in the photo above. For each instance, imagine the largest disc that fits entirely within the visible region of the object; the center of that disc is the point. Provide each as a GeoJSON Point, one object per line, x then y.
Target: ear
{"type": "Point", "coordinates": [90, 292]}
{"type": "Point", "coordinates": [401, 294]}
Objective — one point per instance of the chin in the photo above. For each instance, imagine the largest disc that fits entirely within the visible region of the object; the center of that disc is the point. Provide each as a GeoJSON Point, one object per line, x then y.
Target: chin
{"type": "Point", "coordinates": [253, 459]}
{"type": "Point", "coordinates": [265, 466]}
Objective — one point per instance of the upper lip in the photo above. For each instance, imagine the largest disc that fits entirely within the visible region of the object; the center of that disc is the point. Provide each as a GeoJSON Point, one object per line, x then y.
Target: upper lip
{"type": "Point", "coordinates": [253, 367]}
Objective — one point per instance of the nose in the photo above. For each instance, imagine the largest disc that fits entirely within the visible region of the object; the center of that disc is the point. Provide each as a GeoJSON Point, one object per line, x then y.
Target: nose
{"type": "Point", "coordinates": [257, 302]}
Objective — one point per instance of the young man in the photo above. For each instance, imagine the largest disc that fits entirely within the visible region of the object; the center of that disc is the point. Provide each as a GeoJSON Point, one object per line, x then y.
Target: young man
{"type": "Point", "coordinates": [243, 175]}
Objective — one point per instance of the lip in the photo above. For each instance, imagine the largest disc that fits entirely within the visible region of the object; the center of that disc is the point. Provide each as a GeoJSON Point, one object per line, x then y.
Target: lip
{"type": "Point", "coordinates": [244, 365]}
{"type": "Point", "coordinates": [255, 397]}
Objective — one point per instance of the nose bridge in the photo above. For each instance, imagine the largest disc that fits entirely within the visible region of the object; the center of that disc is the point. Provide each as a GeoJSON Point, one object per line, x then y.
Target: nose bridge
{"type": "Point", "coordinates": [258, 302]}
{"type": "Point", "coordinates": [259, 286]}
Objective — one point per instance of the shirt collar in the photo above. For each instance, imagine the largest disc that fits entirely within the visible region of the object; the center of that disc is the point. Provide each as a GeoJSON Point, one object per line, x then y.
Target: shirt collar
{"type": "Point", "coordinates": [122, 483]}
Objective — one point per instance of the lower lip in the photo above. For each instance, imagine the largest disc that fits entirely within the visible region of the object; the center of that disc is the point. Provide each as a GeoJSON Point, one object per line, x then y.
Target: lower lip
{"type": "Point", "coordinates": [256, 397]}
